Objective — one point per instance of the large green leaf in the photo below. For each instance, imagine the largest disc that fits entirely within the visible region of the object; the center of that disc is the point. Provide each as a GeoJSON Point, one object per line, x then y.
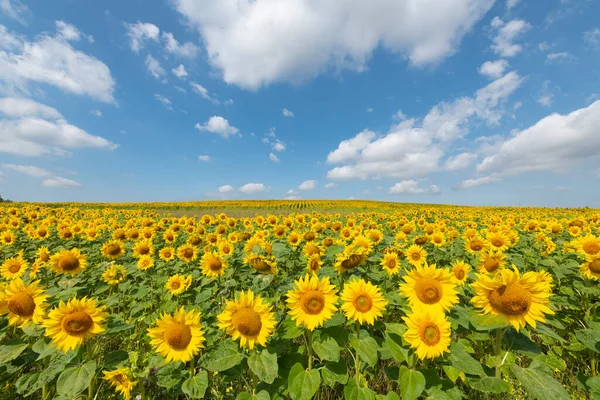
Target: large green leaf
{"type": "Point", "coordinates": [590, 338]}
{"type": "Point", "coordinates": [225, 356]}
{"type": "Point", "coordinates": [486, 322]}
{"type": "Point", "coordinates": [355, 392]}
{"type": "Point", "coordinates": [412, 384]}
{"type": "Point", "coordinates": [463, 361]}
{"type": "Point", "coordinates": [303, 384]}
{"type": "Point", "coordinates": [195, 387]}
{"type": "Point", "coordinates": [394, 343]}
{"type": "Point", "coordinates": [489, 384]}
{"type": "Point", "coordinates": [264, 365]}
{"type": "Point", "coordinates": [366, 347]}
{"type": "Point", "coordinates": [10, 352]}
{"type": "Point", "coordinates": [73, 381]}
{"type": "Point", "coordinates": [334, 373]}
{"type": "Point", "coordinates": [327, 348]}
{"type": "Point", "coordinates": [262, 395]}
{"type": "Point", "coordinates": [539, 384]}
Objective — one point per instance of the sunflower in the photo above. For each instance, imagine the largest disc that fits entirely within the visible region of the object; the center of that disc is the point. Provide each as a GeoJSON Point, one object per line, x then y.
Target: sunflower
{"type": "Point", "coordinates": [69, 324]}
{"type": "Point", "coordinates": [350, 259]}
{"type": "Point", "coordinates": [428, 333]}
{"type": "Point", "coordinates": [225, 248]}
{"type": "Point", "coordinates": [293, 239]}
{"type": "Point", "coordinates": [591, 269]}
{"type": "Point", "coordinates": [438, 239]}
{"type": "Point", "coordinates": [311, 248]}
{"type": "Point", "coordinates": [391, 263]}
{"type": "Point", "coordinates": [498, 241]}
{"type": "Point", "coordinates": [114, 274]}
{"type": "Point", "coordinates": [416, 255]}
{"type": "Point", "coordinates": [312, 301]}
{"type": "Point", "coordinates": [120, 380]}
{"type": "Point", "coordinates": [145, 262]}
{"type": "Point", "coordinates": [143, 248]}
{"type": "Point", "coordinates": [212, 264]}
{"type": "Point", "coordinates": [314, 263]}
{"type": "Point", "coordinates": [177, 284]}
{"type": "Point", "coordinates": [187, 253]}
{"type": "Point", "coordinates": [492, 262]}
{"type": "Point", "coordinates": [475, 245]}
{"type": "Point", "coordinates": [248, 318]}
{"type": "Point", "coordinates": [460, 272]}
{"type": "Point", "coordinates": [166, 253]}
{"type": "Point", "coordinates": [521, 299]}
{"type": "Point", "coordinates": [7, 237]}
{"type": "Point", "coordinates": [23, 303]}
{"type": "Point", "coordinates": [113, 249]}
{"type": "Point", "coordinates": [43, 254]}
{"type": "Point", "coordinates": [430, 288]}
{"type": "Point", "coordinates": [588, 245]}
{"type": "Point", "coordinates": [14, 267]}
{"type": "Point", "coordinates": [262, 264]}
{"type": "Point", "coordinates": [362, 301]}
{"type": "Point", "coordinates": [178, 337]}
{"type": "Point", "coordinates": [70, 262]}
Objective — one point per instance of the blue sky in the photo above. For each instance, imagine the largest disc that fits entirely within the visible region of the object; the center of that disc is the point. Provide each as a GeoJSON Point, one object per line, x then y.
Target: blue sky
{"type": "Point", "coordinates": [476, 102]}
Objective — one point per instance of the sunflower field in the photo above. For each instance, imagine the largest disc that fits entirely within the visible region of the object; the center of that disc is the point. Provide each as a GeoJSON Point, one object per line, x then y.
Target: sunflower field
{"type": "Point", "coordinates": [372, 301]}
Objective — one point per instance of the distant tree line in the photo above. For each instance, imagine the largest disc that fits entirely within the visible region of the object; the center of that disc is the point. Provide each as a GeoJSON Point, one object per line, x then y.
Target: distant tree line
{"type": "Point", "coordinates": [4, 200]}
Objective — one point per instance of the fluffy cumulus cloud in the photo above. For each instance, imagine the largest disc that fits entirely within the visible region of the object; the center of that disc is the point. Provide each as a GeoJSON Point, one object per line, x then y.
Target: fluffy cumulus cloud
{"type": "Point", "coordinates": [172, 46]}
{"type": "Point", "coordinates": [258, 42]}
{"type": "Point", "coordinates": [469, 183]}
{"type": "Point", "coordinates": [218, 125]}
{"type": "Point", "coordinates": [412, 187]}
{"type": "Point", "coordinates": [226, 189]}
{"type": "Point", "coordinates": [273, 158]}
{"type": "Point", "coordinates": [506, 34]}
{"type": "Point", "coordinates": [179, 71]}
{"type": "Point", "coordinates": [141, 33]}
{"type": "Point", "coordinates": [250, 188]}
{"type": "Point", "coordinates": [33, 129]}
{"type": "Point", "coordinates": [308, 185]}
{"type": "Point", "coordinates": [555, 143]}
{"type": "Point", "coordinates": [16, 10]}
{"type": "Point", "coordinates": [493, 69]}
{"type": "Point", "coordinates": [53, 61]}
{"type": "Point", "coordinates": [59, 182]}
{"type": "Point", "coordinates": [414, 148]}
{"type": "Point", "coordinates": [278, 145]}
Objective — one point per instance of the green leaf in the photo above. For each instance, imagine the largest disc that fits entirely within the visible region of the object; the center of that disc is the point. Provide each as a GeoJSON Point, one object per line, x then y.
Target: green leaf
{"type": "Point", "coordinates": [394, 343]}
{"type": "Point", "coordinates": [170, 375]}
{"type": "Point", "coordinates": [594, 384]}
{"type": "Point", "coordinates": [412, 384]}
{"type": "Point", "coordinates": [10, 352]}
{"type": "Point", "coordinates": [73, 381]}
{"type": "Point", "coordinates": [486, 322]}
{"type": "Point", "coordinates": [115, 357]}
{"type": "Point", "coordinates": [334, 373]}
{"type": "Point", "coordinates": [520, 343]}
{"type": "Point", "coordinates": [545, 330]}
{"type": "Point", "coordinates": [303, 384]}
{"type": "Point", "coordinates": [334, 249]}
{"type": "Point", "coordinates": [264, 365]}
{"type": "Point", "coordinates": [43, 348]}
{"type": "Point", "coordinates": [195, 386]}
{"type": "Point", "coordinates": [463, 361]}
{"type": "Point", "coordinates": [539, 384]}
{"type": "Point", "coordinates": [354, 392]}
{"type": "Point", "coordinates": [396, 328]}
{"type": "Point", "coordinates": [366, 347]}
{"type": "Point", "coordinates": [225, 356]}
{"type": "Point", "coordinates": [489, 384]}
{"type": "Point", "coordinates": [262, 395]}
{"type": "Point", "coordinates": [590, 338]}
{"type": "Point", "coordinates": [451, 372]}
{"type": "Point", "coordinates": [289, 330]}
{"type": "Point", "coordinates": [389, 396]}
{"type": "Point", "coordinates": [327, 348]}
{"type": "Point", "coordinates": [280, 250]}
{"type": "Point", "coordinates": [28, 384]}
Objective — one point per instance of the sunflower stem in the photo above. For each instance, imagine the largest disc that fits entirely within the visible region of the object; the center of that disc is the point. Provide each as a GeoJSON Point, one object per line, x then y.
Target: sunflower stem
{"type": "Point", "coordinates": [309, 348]}
{"type": "Point", "coordinates": [357, 359]}
{"type": "Point", "coordinates": [192, 367]}
{"type": "Point", "coordinates": [498, 348]}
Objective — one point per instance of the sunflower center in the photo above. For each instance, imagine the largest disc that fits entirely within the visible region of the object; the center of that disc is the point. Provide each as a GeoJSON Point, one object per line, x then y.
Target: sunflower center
{"type": "Point", "coordinates": [67, 234]}
{"type": "Point", "coordinates": [143, 249]}
{"type": "Point", "coordinates": [77, 323]}
{"type": "Point", "coordinates": [196, 240]}
{"type": "Point", "coordinates": [215, 264]}
{"type": "Point", "coordinates": [363, 303]}
{"type": "Point", "coordinates": [437, 240]}
{"type": "Point", "coordinates": [391, 263]}
{"type": "Point", "coordinates": [497, 243]}
{"type": "Point", "coordinates": [416, 256]}
{"type": "Point", "coordinates": [68, 263]}
{"type": "Point", "coordinates": [351, 262]}
{"type": "Point", "coordinates": [459, 274]}
{"type": "Point", "coordinates": [313, 302]}
{"type": "Point", "coordinates": [491, 264]}
{"type": "Point", "coordinates": [309, 236]}
{"type": "Point", "coordinates": [178, 336]}
{"type": "Point", "coordinates": [420, 241]}
{"type": "Point", "coordinates": [247, 321]}
{"type": "Point", "coordinates": [175, 285]}
{"type": "Point", "coordinates": [14, 268]}
{"type": "Point", "coordinates": [42, 232]}
{"type": "Point", "coordinates": [22, 304]}
{"type": "Point", "coordinates": [167, 254]}
{"type": "Point", "coordinates": [511, 299]}
{"type": "Point", "coordinates": [476, 246]}
{"type": "Point", "coordinates": [188, 253]}
{"type": "Point", "coordinates": [595, 266]}
{"type": "Point", "coordinates": [314, 265]}
{"type": "Point", "coordinates": [591, 248]}
{"type": "Point", "coordinates": [428, 290]}
{"type": "Point", "coordinates": [113, 249]}
{"type": "Point", "coordinates": [430, 334]}
{"type": "Point", "coordinates": [45, 257]}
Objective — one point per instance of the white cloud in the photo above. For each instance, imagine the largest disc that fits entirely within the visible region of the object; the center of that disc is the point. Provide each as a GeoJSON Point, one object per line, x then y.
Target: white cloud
{"type": "Point", "coordinates": [308, 185]}
{"type": "Point", "coordinates": [460, 161]}
{"type": "Point", "coordinates": [279, 145]}
{"type": "Point", "coordinates": [202, 91]}
{"type": "Point", "coordinates": [273, 158]}
{"type": "Point", "coordinates": [287, 113]}
{"type": "Point", "coordinates": [546, 97]}
{"type": "Point", "coordinates": [507, 33]}
{"type": "Point", "coordinates": [219, 125]}
{"type": "Point", "coordinates": [291, 191]}
{"type": "Point", "coordinates": [16, 10]}
{"type": "Point", "coordinates": [204, 158]}
{"type": "Point", "coordinates": [271, 133]}
{"type": "Point", "coordinates": [555, 143]}
{"type": "Point", "coordinates": [264, 41]}
{"type": "Point", "coordinates": [592, 97]}
{"type": "Point", "coordinates": [544, 46]}
{"type": "Point", "coordinates": [292, 198]}
{"type": "Point", "coordinates": [140, 32]}
{"type": "Point", "coordinates": [154, 67]}
{"type": "Point", "coordinates": [53, 61]}
{"type": "Point", "coordinates": [187, 50]}
{"type": "Point", "coordinates": [228, 102]}
{"type": "Point", "coordinates": [560, 57]}
{"type": "Point", "coordinates": [30, 170]}
{"type": "Point", "coordinates": [254, 188]}
{"type": "Point", "coordinates": [67, 31]}
{"type": "Point", "coordinates": [412, 187]}
{"type": "Point", "coordinates": [414, 149]}
{"type": "Point", "coordinates": [164, 100]}
{"type": "Point", "coordinates": [330, 185]}
{"type": "Point", "coordinates": [592, 37]}
{"type": "Point", "coordinates": [369, 110]}
{"type": "Point", "coordinates": [96, 113]}
{"type": "Point", "coordinates": [225, 189]}
{"type": "Point", "coordinates": [469, 183]}
{"type": "Point", "coordinates": [511, 3]}
{"type": "Point", "coordinates": [60, 183]}
{"type": "Point", "coordinates": [493, 69]}
{"type": "Point", "coordinates": [399, 116]}
{"type": "Point", "coordinates": [179, 71]}
{"type": "Point", "coordinates": [16, 107]}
